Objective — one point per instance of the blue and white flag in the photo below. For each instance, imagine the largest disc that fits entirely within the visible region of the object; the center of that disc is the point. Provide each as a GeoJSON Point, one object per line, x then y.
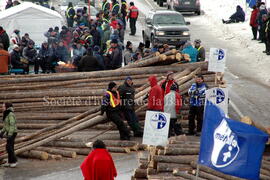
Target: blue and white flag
{"type": "Point", "coordinates": [230, 146]}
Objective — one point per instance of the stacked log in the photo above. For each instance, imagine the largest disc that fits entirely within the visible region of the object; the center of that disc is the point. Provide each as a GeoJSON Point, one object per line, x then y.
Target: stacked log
{"type": "Point", "coordinates": [178, 160]}
{"type": "Point", "coordinates": [52, 106]}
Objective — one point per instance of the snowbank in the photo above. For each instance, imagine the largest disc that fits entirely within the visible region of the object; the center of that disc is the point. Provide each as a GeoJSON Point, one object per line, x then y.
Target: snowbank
{"type": "Point", "coordinates": [216, 10]}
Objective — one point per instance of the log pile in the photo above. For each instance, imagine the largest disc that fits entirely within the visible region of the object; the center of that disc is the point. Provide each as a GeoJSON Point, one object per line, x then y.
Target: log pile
{"type": "Point", "coordinates": [178, 160]}
{"type": "Point", "coordinates": [50, 107]}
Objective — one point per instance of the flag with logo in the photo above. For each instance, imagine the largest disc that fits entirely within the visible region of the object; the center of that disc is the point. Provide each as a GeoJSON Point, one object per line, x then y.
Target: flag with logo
{"type": "Point", "coordinates": [230, 146]}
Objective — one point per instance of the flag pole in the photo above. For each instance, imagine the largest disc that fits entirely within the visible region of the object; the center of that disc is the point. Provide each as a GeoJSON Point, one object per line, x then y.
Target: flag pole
{"type": "Point", "coordinates": [197, 171]}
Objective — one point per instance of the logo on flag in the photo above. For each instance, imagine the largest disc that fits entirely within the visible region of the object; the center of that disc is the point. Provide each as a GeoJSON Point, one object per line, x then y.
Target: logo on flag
{"type": "Point", "coordinates": [226, 147]}
{"type": "Point", "coordinates": [230, 146]}
{"type": "Point", "coordinates": [220, 96]}
{"type": "Point", "coordinates": [158, 121]}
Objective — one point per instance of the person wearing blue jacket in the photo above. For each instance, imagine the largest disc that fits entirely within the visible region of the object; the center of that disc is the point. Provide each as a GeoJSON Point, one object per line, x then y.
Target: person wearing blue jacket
{"type": "Point", "coordinates": [197, 100]}
{"type": "Point", "coordinates": [191, 51]}
{"type": "Point", "coordinates": [262, 12]}
{"type": "Point", "coordinates": [238, 16]}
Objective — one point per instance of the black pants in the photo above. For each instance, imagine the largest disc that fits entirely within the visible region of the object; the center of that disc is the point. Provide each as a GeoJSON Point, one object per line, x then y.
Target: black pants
{"type": "Point", "coordinates": [132, 24]}
{"type": "Point", "coordinates": [116, 118]}
{"type": "Point", "coordinates": [254, 32]}
{"type": "Point", "coordinates": [10, 149]}
{"type": "Point", "coordinates": [195, 112]}
{"type": "Point", "coordinates": [70, 22]}
{"type": "Point", "coordinates": [132, 120]}
{"type": "Point", "coordinates": [175, 129]}
{"type": "Point", "coordinates": [262, 34]}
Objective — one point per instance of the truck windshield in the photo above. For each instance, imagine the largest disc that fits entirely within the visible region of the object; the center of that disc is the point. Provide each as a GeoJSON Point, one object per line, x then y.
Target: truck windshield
{"type": "Point", "coordinates": [169, 19]}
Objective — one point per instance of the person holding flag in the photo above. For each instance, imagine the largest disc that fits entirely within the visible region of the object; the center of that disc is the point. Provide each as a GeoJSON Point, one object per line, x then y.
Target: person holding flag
{"type": "Point", "coordinates": [197, 99]}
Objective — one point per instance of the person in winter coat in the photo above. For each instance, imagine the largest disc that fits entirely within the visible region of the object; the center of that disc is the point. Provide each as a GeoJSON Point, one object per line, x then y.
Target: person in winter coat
{"type": "Point", "coordinates": [172, 105]}
{"type": "Point", "coordinates": [115, 7]}
{"type": "Point", "coordinates": [78, 52]}
{"type": "Point", "coordinates": [267, 34]}
{"type": "Point", "coordinates": [16, 59]}
{"type": "Point", "coordinates": [263, 12]}
{"type": "Point", "coordinates": [141, 48]}
{"type": "Point", "coordinates": [4, 39]}
{"type": "Point", "coordinates": [197, 99]}
{"type": "Point", "coordinates": [127, 95]}
{"type": "Point", "coordinates": [62, 52]}
{"type": "Point", "coordinates": [253, 22]}
{"type": "Point", "coordinates": [168, 83]}
{"type": "Point", "coordinates": [9, 132]}
{"type": "Point", "coordinates": [30, 54]}
{"type": "Point", "coordinates": [128, 53]}
{"type": "Point", "coordinates": [111, 105]}
{"type": "Point", "coordinates": [70, 14]}
{"type": "Point", "coordinates": [66, 36]}
{"type": "Point", "coordinates": [155, 95]}
{"type": "Point", "coordinates": [88, 62]}
{"type": "Point", "coordinates": [9, 4]}
{"type": "Point", "coordinates": [200, 49]}
{"type": "Point", "coordinates": [191, 51]}
{"type": "Point", "coordinates": [238, 16]}
{"type": "Point", "coordinates": [115, 55]}
{"type": "Point", "coordinates": [98, 165]}
{"type": "Point", "coordinates": [97, 54]}
{"type": "Point", "coordinates": [44, 57]}
{"type": "Point", "coordinates": [132, 17]}
{"type": "Point", "coordinates": [96, 36]}
{"type": "Point", "coordinates": [4, 60]}
{"type": "Point", "coordinates": [15, 38]}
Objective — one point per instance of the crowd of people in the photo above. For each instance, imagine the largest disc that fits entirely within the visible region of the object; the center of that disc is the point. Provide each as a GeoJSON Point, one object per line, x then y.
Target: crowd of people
{"type": "Point", "coordinates": [260, 24]}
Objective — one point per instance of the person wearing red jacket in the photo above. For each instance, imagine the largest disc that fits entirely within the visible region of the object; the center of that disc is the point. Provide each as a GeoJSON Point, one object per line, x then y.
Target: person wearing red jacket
{"type": "Point", "coordinates": [155, 95]}
{"type": "Point", "coordinates": [98, 165]}
{"type": "Point", "coordinates": [132, 16]}
{"type": "Point", "coordinates": [253, 22]}
{"type": "Point", "coordinates": [172, 105]}
{"type": "Point", "coordinates": [166, 84]}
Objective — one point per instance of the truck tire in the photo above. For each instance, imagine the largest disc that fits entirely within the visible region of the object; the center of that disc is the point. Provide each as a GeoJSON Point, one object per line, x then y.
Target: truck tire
{"type": "Point", "coordinates": [198, 12]}
{"type": "Point", "coordinates": [160, 3]}
{"type": "Point", "coordinates": [146, 42]}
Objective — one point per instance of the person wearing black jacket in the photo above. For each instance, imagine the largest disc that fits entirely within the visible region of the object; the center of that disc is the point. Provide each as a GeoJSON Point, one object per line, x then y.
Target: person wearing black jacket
{"type": "Point", "coordinates": [30, 54]}
{"type": "Point", "coordinates": [44, 57]}
{"type": "Point", "coordinates": [89, 62]}
{"type": "Point", "coordinates": [127, 94]}
{"type": "Point", "coordinates": [4, 39]}
{"type": "Point", "coordinates": [115, 55]}
{"type": "Point", "coordinates": [16, 59]}
{"type": "Point", "coordinates": [111, 105]}
{"type": "Point", "coordinates": [70, 14]}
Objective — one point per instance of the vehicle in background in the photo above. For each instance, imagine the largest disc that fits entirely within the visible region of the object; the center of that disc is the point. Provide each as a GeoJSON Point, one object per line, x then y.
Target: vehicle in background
{"type": "Point", "coordinates": [78, 4]}
{"type": "Point", "coordinates": [165, 27]}
{"type": "Point", "coordinates": [185, 6]}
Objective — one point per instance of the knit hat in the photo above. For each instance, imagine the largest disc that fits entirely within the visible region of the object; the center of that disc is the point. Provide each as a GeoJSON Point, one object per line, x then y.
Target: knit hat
{"type": "Point", "coordinates": [114, 41]}
{"type": "Point", "coordinates": [173, 87]}
{"type": "Point", "coordinates": [197, 41]}
{"type": "Point", "coordinates": [111, 85]}
{"type": "Point", "coordinates": [128, 78]}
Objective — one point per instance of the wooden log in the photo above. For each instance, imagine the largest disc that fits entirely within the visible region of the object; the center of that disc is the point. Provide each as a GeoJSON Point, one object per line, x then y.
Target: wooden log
{"type": "Point", "coordinates": [151, 171]}
{"type": "Point", "coordinates": [54, 157]}
{"type": "Point", "coordinates": [32, 126]}
{"type": "Point", "coordinates": [182, 174]}
{"type": "Point", "coordinates": [184, 142]}
{"type": "Point", "coordinates": [143, 164]}
{"type": "Point", "coordinates": [265, 172]}
{"type": "Point", "coordinates": [208, 176]}
{"type": "Point", "coordinates": [64, 153]}
{"type": "Point", "coordinates": [181, 151]}
{"type": "Point", "coordinates": [264, 177]}
{"type": "Point", "coordinates": [163, 176]}
{"type": "Point", "coordinates": [120, 143]}
{"type": "Point", "coordinates": [34, 154]}
{"type": "Point", "coordinates": [213, 172]}
{"type": "Point", "coordinates": [140, 173]}
{"type": "Point", "coordinates": [266, 165]}
{"type": "Point", "coordinates": [161, 152]}
{"type": "Point", "coordinates": [168, 167]}
{"type": "Point", "coordinates": [187, 146]}
{"type": "Point", "coordinates": [119, 149]}
{"type": "Point", "coordinates": [175, 159]}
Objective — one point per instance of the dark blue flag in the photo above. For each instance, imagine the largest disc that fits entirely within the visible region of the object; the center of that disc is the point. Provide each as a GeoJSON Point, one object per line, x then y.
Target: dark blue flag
{"type": "Point", "coordinates": [230, 146]}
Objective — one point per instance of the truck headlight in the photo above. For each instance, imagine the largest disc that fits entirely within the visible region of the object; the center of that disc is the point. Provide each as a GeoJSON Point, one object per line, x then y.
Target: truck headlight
{"type": "Point", "coordinates": [160, 33]}
{"type": "Point", "coordinates": [186, 33]}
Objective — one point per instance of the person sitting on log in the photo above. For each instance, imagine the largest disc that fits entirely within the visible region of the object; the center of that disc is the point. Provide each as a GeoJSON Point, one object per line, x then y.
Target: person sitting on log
{"type": "Point", "coordinates": [127, 94]}
{"type": "Point", "coordinates": [98, 165]}
{"type": "Point", "coordinates": [9, 132]}
{"type": "Point", "coordinates": [111, 105]}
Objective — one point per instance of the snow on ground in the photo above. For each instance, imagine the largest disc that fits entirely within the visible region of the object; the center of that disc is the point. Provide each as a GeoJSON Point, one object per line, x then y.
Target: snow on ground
{"type": "Point", "coordinates": [216, 10]}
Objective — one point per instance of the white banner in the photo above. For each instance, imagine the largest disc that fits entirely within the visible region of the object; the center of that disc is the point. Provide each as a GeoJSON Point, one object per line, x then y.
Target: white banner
{"type": "Point", "coordinates": [219, 97]}
{"type": "Point", "coordinates": [156, 128]}
{"type": "Point", "coordinates": [217, 60]}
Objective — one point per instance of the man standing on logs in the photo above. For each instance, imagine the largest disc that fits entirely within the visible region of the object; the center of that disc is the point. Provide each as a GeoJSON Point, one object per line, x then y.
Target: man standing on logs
{"type": "Point", "coordinates": [111, 105]}
{"type": "Point", "coordinates": [127, 94]}
{"type": "Point", "coordinates": [197, 99]}
{"type": "Point", "coordinates": [98, 164]}
{"type": "Point", "coordinates": [166, 84]}
{"type": "Point", "coordinates": [155, 95]}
